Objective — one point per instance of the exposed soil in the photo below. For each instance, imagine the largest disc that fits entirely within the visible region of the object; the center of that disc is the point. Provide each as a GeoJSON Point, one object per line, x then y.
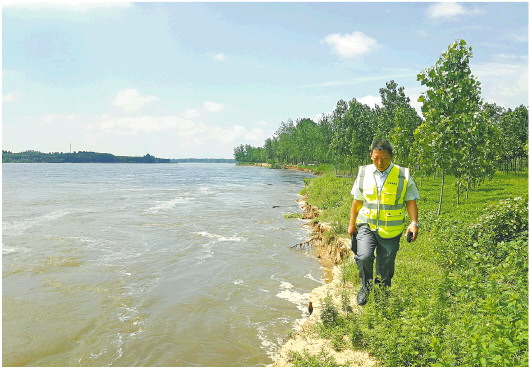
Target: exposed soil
{"type": "Point", "coordinates": [306, 340]}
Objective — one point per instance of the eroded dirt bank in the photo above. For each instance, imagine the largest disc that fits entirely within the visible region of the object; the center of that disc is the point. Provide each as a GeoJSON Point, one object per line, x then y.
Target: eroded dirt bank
{"type": "Point", "coordinates": [330, 251]}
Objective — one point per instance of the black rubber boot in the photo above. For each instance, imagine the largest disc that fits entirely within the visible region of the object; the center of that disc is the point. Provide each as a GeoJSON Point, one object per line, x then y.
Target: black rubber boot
{"type": "Point", "coordinates": [362, 296]}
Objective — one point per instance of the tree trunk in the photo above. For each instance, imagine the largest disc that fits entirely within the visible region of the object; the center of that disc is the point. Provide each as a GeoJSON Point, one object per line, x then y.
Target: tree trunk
{"type": "Point", "coordinates": [441, 195]}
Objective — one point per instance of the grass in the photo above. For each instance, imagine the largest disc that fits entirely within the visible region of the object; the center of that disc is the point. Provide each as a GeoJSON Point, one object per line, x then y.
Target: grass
{"type": "Point", "coordinates": [460, 293]}
{"type": "Point", "coordinates": [307, 360]}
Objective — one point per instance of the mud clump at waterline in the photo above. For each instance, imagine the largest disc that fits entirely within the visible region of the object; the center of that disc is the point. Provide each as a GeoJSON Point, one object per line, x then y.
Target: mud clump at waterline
{"type": "Point", "coordinates": [306, 341]}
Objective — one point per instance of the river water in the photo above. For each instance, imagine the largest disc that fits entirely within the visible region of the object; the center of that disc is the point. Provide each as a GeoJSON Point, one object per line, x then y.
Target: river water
{"type": "Point", "coordinates": [151, 265]}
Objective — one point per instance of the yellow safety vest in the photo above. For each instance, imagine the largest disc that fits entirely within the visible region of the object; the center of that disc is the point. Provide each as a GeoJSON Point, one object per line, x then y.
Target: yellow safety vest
{"type": "Point", "coordinates": [383, 211]}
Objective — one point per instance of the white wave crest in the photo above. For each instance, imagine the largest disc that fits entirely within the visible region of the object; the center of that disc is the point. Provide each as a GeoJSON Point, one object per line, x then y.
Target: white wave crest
{"type": "Point", "coordinates": [18, 227]}
{"type": "Point", "coordinates": [168, 205]}
{"type": "Point", "coordinates": [270, 346]}
{"type": "Point", "coordinates": [297, 298]}
{"type": "Point", "coordinates": [220, 237]}
{"type": "Point", "coordinates": [7, 250]}
{"type": "Point", "coordinates": [206, 191]}
{"type": "Point", "coordinates": [310, 276]}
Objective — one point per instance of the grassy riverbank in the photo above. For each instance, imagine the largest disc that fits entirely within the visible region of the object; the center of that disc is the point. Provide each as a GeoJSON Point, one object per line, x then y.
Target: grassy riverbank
{"type": "Point", "coordinates": [460, 293]}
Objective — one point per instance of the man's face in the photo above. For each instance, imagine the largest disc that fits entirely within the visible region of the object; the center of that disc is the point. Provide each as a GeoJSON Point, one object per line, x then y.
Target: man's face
{"type": "Point", "coordinates": [381, 159]}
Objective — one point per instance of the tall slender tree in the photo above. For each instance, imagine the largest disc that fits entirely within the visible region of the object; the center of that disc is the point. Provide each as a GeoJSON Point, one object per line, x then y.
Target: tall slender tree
{"type": "Point", "coordinates": [450, 141]}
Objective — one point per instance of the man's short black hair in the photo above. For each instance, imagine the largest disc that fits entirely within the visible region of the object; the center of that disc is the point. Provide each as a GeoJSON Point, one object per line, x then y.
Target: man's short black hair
{"type": "Point", "coordinates": [382, 145]}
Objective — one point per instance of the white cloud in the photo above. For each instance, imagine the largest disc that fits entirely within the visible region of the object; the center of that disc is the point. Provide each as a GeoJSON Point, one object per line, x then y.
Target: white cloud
{"type": "Point", "coordinates": [220, 57]}
{"type": "Point", "coordinates": [77, 6]}
{"type": "Point", "coordinates": [395, 74]}
{"type": "Point", "coordinates": [506, 56]}
{"type": "Point", "coordinates": [149, 124]}
{"type": "Point", "coordinates": [213, 107]}
{"type": "Point", "coordinates": [10, 97]}
{"type": "Point", "coordinates": [371, 101]}
{"type": "Point", "coordinates": [414, 93]}
{"type": "Point", "coordinates": [448, 11]}
{"type": "Point", "coordinates": [185, 131]}
{"type": "Point", "coordinates": [504, 82]}
{"type": "Point", "coordinates": [50, 118]}
{"type": "Point", "coordinates": [236, 133]}
{"type": "Point", "coordinates": [351, 45]}
{"type": "Point", "coordinates": [170, 136]}
{"type": "Point", "coordinates": [442, 10]}
{"type": "Point", "coordinates": [318, 117]}
{"type": "Point", "coordinates": [130, 100]}
{"type": "Point", "coordinates": [516, 36]}
{"type": "Point", "coordinates": [191, 113]}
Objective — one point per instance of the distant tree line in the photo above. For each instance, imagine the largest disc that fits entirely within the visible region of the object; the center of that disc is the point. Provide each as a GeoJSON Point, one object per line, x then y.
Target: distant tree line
{"type": "Point", "coordinates": [75, 157]}
{"type": "Point", "coordinates": [458, 133]}
{"type": "Point", "coordinates": [195, 160]}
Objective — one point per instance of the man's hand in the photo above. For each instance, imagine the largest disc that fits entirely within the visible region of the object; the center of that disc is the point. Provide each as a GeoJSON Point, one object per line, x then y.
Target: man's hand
{"type": "Point", "coordinates": [352, 228]}
{"type": "Point", "coordinates": [412, 210]}
{"type": "Point", "coordinates": [414, 229]}
{"type": "Point", "coordinates": [355, 207]}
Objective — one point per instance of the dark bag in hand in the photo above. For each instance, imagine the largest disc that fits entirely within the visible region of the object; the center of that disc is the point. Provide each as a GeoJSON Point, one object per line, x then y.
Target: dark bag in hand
{"type": "Point", "coordinates": [354, 243]}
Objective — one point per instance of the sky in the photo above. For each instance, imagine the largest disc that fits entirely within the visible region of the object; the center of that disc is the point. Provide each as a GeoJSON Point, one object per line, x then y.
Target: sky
{"type": "Point", "coordinates": [187, 79]}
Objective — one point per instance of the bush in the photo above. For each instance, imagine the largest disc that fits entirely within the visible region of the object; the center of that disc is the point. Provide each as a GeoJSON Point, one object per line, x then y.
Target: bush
{"type": "Point", "coordinates": [487, 285]}
{"type": "Point", "coordinates": [329, 315]}
{"type": "Point", "coordinates": [503, 221]}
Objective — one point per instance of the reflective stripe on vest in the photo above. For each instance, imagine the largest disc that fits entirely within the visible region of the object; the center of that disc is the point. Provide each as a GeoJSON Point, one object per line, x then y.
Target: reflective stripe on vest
{"type": "Point", "coordinates": [383, 210]}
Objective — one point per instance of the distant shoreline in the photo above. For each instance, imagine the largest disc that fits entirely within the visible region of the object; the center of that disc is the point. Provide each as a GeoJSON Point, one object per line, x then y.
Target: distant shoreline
{"type": "Point", "coordinates": [38, 157]}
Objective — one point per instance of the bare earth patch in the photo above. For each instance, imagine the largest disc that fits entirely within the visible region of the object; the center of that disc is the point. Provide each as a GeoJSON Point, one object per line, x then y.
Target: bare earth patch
{"type": "Point", "coordinates": [306, 339]}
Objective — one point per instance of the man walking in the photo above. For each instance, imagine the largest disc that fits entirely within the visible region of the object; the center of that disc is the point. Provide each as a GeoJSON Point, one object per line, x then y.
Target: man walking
{"type": "Point", "coordinates": [381, 193]}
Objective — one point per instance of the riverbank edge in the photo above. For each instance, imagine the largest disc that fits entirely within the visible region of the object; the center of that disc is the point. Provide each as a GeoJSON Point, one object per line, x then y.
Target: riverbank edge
{"type": "Point", "coordinates": [330, 251]}
{"type": "Point", "coordinates": [286, 166]}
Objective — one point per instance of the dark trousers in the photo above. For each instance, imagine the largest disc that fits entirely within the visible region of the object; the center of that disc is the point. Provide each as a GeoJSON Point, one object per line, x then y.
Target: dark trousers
{"type": "Point", "coordinates": [370, 247]}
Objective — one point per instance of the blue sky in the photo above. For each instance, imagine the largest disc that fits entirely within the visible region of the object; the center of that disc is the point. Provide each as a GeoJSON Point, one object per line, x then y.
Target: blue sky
{"type": "Point", "coordinates": [197, 79]}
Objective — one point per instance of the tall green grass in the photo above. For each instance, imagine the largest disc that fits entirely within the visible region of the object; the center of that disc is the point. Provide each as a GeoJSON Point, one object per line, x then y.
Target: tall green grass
{"type": "Point", "coordinates": [332, 195]}
{"type": "Point", "coordinates": [460, 293]}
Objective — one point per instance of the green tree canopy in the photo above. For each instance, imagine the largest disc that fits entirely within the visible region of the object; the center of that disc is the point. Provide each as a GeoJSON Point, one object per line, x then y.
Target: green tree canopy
{"type": "Point", "coordinates": [456, 136]}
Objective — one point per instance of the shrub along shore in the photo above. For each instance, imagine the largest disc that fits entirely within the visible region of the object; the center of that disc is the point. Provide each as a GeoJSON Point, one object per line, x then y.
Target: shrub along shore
{"type": "Point", "coordinates": [459, 296]}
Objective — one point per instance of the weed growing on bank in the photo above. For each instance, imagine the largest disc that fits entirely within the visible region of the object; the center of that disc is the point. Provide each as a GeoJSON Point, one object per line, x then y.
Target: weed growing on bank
{"type": "Point", "coordinates": [460, 293]}
{"type": "Point", "coordinates": [307, 360]}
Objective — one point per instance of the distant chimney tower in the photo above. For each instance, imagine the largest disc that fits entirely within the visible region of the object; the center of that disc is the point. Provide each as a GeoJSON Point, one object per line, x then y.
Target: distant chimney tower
{"type": "Point", "coordinates": [70, 147]}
